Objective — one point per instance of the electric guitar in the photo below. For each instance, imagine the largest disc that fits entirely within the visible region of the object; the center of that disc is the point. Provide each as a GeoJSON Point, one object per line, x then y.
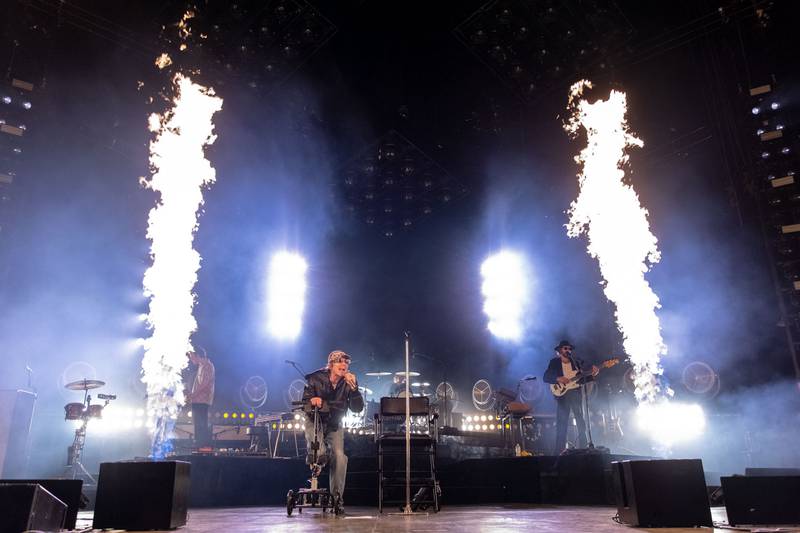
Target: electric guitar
{"type": "Point", "coordinates": [559, 390]}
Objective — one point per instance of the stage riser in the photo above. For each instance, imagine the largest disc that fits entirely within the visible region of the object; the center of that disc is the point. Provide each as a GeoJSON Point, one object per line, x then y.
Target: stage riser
{"type": "Point", "coordinates": [254, 481]}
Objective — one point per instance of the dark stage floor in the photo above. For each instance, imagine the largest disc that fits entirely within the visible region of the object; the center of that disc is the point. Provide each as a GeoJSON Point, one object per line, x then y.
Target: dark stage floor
{"type": "Point", "coordinates": [462, 519]}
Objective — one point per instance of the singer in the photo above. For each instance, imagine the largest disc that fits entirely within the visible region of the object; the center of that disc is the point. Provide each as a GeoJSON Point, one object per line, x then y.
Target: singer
{"type": "Point", "coordinates": [333, 389]}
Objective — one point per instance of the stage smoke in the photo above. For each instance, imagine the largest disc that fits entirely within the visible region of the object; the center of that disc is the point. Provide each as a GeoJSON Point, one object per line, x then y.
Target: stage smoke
{"type": "Point", "coordinates": [179, 172]}
{"type": "Point", "coordinates": [608, 211]}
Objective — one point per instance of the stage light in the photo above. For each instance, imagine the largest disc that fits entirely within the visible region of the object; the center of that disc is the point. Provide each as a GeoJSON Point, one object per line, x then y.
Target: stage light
{"type": "Point", "coordinates": [755, 111]}
{"type": "Point", "coordinates": [6, 99]}
{"type": "Point", "coordinates": [470, 427]}
{"type": "Point", "coordinates": [779, 127]}
{"type": "Point", "coordinates": [483, 418]}
{"type": "Point", "coordinates": [234, 415]}
{"type": "Point", "coordinates": [764, 155]}
{"type": "Point", "coordinates": [668, 422]}
{"type": "Point", "coordinates": [760, 132]}
{"type": "Point", "coordinates": [287, 287]}
{"type": "Point", "coordinates": [190, 414]}
{"type": "Point", "coordinates": [505, 294]}
{"type": "Point", "coordinates": [297, 416]}
{"type": "Point", "coordinates": [225, 415]}
{"type": "Point", "coordinates": [26, 105]}
{"type": "Point", "coordinates": [251, 415]}
{"type": "Point", "coordinates": [774, 105]}
{"type": "Point", "coordinates": [785, 150]}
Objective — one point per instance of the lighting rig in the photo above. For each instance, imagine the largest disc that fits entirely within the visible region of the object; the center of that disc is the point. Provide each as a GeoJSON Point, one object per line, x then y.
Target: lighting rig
{"type": "Point", "coordinates": [247, 42]}
{"type": "Point", "coordinates": [774, 145]}
{"type": "Point", "coordinates": [25, 38]}
{"type": "Point", "coordinates": [392, 184]}
{"type": "Point", "coordinates": [536, 46]}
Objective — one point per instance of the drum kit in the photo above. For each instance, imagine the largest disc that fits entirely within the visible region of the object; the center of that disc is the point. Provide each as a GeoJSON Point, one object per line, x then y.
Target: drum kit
{"type": "Point", "coordinates": [83, 411]}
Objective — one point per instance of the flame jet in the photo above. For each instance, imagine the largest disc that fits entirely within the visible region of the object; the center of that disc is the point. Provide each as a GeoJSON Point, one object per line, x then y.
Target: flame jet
{"type": "Point", "coordinates": [179, 171]}
{"type": "Point", "coordinates": [608, 211]}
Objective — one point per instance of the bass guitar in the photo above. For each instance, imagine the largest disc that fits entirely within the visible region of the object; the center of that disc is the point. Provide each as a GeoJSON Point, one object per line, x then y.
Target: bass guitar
{"type": "Point", "coordinates": [559, 390]}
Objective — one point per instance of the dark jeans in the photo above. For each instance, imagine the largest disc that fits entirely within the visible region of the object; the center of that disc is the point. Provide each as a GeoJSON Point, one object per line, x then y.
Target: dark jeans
{"type": "Point", "coordinates": [571, 401]}
{"type": "Point", "coordinates": [331, 445]}
{"type": "Point", "coordinates": [202, 433]}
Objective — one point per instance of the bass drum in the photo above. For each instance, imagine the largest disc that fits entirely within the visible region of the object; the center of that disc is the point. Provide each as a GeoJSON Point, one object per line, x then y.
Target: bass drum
{"type": "Point", "coordinates": [73, 411]}
{"type": "Point", "coordinates": [95, 411]}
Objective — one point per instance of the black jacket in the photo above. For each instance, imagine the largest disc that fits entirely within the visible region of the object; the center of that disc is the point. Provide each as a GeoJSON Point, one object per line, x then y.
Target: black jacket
{"type": "Point", "coordinates": [555, 371]}
{"type": "Point", "coordinates": [335, 401]}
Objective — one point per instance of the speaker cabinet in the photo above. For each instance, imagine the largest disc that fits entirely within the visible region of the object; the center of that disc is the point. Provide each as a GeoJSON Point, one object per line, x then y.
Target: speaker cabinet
{"type": "Point", "coordinates": [661, 493]}
{"type": "Point", "coordinates": [142, 495]}
{"type": "Point", "coordinates": [762, 499]}
{"type": "Point", "coordinates": [27, 506]}
{"type": "Point", "coordinates": [66, 490]}
{"type": "Point", "coordinates": [16, 413]}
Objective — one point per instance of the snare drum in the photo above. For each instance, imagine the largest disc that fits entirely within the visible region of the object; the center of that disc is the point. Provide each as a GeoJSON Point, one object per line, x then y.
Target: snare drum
{"type": "Point", "coordinates": [73, 411]}
{"type": "Point", "coordinates": [95, 411]}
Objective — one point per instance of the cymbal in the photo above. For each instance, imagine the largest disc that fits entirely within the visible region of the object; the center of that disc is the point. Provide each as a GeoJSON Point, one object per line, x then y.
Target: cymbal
{"type": "Point", "coordinates": [365, 390]}
{"type": "Point", "coordinates": [377, 374]}
{"type": "Point", "coordinates": [85, 384]}
{"type": "Point", "coordinates": [417, 384]}
{"type": "Point", "coordinates": [411, 374]}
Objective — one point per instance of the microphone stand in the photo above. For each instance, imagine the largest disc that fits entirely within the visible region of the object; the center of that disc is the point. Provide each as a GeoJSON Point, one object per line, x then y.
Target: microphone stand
{"type": "Point", "coordinates": [584, 403]}
{"type": "Point", "coordinates": [407, 508]}
{"type": "Point", "coordinates": [297, 367]}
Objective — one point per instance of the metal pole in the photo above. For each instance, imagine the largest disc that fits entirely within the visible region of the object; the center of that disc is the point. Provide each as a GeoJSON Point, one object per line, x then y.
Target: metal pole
{"type": "Point", "coordinates": [407, 509]}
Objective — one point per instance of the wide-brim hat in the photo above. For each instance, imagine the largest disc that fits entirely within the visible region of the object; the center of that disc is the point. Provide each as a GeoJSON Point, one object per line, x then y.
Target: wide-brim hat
{"type": "Point", "coordinates": [564, 343]}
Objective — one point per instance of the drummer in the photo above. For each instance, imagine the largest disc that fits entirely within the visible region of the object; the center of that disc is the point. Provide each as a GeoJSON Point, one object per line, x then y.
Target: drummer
{"type": "Point", "coordinates": [398, 387]}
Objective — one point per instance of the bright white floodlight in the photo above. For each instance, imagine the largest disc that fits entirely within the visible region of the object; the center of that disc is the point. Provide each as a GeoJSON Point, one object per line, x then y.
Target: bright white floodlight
{"type": "Point", "coordinates": [505, 294]}
{"type": "Point", "coordinates": [668, 422]}
{"type": "Point", "coordinates": [287, 291]}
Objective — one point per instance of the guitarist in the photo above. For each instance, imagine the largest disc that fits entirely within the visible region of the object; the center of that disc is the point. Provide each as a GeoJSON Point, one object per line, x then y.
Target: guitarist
{"type": "Point", "coordinates": [561, 369]}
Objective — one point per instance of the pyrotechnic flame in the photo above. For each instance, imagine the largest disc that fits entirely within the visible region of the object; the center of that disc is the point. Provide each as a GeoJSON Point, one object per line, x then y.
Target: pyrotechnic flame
{"type": "Point", "coordinates": [184, 30]}
{"type": "Point", "coordinates": [179, 171]}
{"type": "Point", "coordinates": [609, 212]}
{"type": "Point", "coordinates": [163, 61]}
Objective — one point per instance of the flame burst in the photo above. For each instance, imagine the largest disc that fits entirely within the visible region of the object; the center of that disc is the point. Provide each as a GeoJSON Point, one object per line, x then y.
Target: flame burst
{"type": "Point", "coordinates": [179, 171]}
{"type": "Point", "coordinates": [609, 212]}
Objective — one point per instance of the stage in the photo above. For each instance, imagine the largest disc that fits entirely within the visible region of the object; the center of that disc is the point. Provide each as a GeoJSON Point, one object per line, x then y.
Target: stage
{"type": "Point", "coordinates": [462, 518]}
{"type": "Point", "coordinates": [579, 479]}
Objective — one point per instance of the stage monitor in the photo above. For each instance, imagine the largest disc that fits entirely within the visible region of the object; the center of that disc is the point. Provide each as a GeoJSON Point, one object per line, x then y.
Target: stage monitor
{"type": "Point", "coordinates": [661, 493]}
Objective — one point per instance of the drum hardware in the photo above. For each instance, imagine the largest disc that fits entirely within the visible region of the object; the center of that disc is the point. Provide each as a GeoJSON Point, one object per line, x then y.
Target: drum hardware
{"type": "Point", "coordinates": [84, 412]}
{"type": "Point", "coordinates": [85, 384]}
{"type": "Point", "coordinates": [377, 374]}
